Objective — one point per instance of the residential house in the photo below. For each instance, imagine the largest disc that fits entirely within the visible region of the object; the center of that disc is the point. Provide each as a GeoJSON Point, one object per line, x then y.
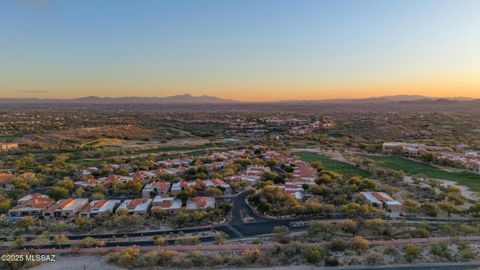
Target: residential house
{"type": "Point", "coordinates": [155, 188]}
{"type": "Point", "coordinates": [304, 173]}
{"type": "Point", "coordinates": [66, 208]}
{"type": "Point", "coordinates": [166, 203]}
{"type": "Point", "coordinates": [136, 206]}
{"type": "Point", "coordinates": [381, 199]}
{"type": "Point", "coordinates": [99, 208]}
{"type": "Point", "coordinates": [197, 203]}
{"type": "Point", "coordinates": [178, 186]}
{"type": "Point", "coordinates": [31, 205]}
{"type": "Point", "coordinates": [5, 179]}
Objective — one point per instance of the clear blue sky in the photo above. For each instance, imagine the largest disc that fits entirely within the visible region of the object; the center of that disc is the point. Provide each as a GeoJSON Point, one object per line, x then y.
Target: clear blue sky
{"type": "Point", "coordinates": [248, 49]}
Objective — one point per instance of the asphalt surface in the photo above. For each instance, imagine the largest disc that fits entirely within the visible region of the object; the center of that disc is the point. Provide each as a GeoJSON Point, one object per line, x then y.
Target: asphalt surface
{"type": "Point", "coordinates": [234, 229]}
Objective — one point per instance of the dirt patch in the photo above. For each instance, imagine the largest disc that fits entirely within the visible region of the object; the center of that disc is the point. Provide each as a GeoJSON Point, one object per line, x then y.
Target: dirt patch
{"type": "Point", "coordinates": [76, 263]}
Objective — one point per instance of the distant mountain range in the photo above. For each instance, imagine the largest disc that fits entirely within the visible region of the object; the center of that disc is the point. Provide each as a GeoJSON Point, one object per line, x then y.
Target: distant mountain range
{"type": "Point", "coordinates": [179, 99]}
{"type": "Point", "coordinates": [382, 99]}
{"type": "Point", "coordinates": [189, 99]}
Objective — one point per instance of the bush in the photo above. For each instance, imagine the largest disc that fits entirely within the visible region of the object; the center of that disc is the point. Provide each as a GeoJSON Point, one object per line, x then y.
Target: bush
{"type": "Point", "coordinates": [280, 234]}
{"type": "Point", "coordinates": [92, 242]}
{"type": "Point", "coordinates": [337, 245]}
{"type": "Point", "coordinates": [129, 256]}
{"type": "Point", "coordinates": [467, 229]}
{"type": "Point", "coordinates": [390, 250]}
{"type": "Point", "coordinates": [441, 250]}
{"type": "Point", "coordinates": [359, 243]}
{"type": "Point", "coordinates": [374, 258]}
{"type": "Point", "coordinates": [252, 255]}
{"type": "Point", "coordinates": [468, 253]}
{"type": "Point", "coordinates": [420, 233]}
{"type": "Point", "coordinates": [412, 252]}
{"type": "Point", "coordinates": [159, 240]}
{"type": "Point", "coordinates": [331, 261]}
{"type": "Point", "coordinates": [314, 254]}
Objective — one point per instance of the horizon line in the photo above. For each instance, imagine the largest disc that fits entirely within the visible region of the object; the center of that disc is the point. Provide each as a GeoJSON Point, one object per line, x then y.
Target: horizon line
{"type": "Point", "coordinates": [246, 101]}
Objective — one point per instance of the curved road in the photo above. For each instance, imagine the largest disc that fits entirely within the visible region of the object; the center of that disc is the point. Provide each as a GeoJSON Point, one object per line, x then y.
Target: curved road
{"type": "Point", "coordinates": [234, 229]}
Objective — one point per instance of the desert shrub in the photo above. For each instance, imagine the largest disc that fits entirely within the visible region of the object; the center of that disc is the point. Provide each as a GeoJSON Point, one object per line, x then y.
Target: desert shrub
{"type": "Point", "coordinates": [314, 254]}
{"type": "Point", "coordinates": [359, 243]}
{"type": "Point", "coordinates": [337, 245]}
{"type": "Point", "coordinates": [468, 253]}
{"type": "Point", "coordinates": [331, 261]}
{"type": "Point", "coordinates": [441, 250]}
{"type": "Point", "coordinates": [129, 256]}
{"type": "Point", "coordinates": [412, 252]}
{"type": "Point", "coordinates": [374, 258]}
{"type": "Point", "coordinates": [420, 233]}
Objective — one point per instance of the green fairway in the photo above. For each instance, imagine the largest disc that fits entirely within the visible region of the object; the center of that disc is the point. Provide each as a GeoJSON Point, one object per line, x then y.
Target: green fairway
{"type": "Point", "coordinates": [410, 167]}
{"type": "Point", "coordinates": [333, 165]}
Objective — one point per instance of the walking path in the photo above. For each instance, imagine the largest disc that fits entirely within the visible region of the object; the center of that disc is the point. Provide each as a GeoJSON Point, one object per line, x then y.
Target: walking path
{"type": "Point", "coordinates": [240, 247]}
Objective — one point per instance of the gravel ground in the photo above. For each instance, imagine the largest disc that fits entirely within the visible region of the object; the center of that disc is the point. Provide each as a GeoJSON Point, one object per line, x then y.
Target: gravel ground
{"type": "Point", "coordinates": [77, 263]}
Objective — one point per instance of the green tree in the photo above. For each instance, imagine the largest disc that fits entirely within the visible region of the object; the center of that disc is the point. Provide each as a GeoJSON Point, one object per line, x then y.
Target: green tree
{"type": "Point", "coordinates": [58, 193]}
{"type": "Point", "coordinates": [213, 192]}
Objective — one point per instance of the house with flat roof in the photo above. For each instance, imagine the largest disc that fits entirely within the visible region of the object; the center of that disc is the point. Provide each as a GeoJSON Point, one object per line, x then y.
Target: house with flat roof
{"type": "Point", "coordinates": [199, 202]}
{"type": "Point", "coordinates": [155, 188]}
{"type": "Point", "coordinates": [166, 203]}
{"type": "Point", "coordinates": [381, 199]}
{"type": "Point", "coordinates": [136, 206]}
{"type": "Point", "coordinates": [31, 205]}
{"type": "Point", "coordinates": [253, 173]}
{"type": "Point", "coordinates": [304, 172]}
{"type": "Point", "coordinates": [178, 186]}
{"type": "Point", "coordinates": [66, 208]}
{"type": "Point", "coordinates": [99, 208]}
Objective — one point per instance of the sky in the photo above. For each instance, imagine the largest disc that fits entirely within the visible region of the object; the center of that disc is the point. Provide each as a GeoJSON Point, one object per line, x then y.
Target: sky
{"type": "Point", "coordinates": [252, 50]}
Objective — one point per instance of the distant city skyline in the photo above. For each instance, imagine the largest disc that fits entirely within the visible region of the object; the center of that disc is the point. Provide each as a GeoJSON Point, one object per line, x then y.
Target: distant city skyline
{"type": "Point", "coordinates": [245, 50]}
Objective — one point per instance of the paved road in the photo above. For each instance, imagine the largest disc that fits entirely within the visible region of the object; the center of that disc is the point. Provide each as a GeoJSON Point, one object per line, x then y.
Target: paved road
{"type": "Point", "coordinates": [235, 229]}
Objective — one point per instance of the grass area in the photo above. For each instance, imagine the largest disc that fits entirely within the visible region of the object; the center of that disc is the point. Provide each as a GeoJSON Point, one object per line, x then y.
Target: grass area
{"type": "Point", "coordinates": [96, 162]}
{"type": "Point", "coordinates": [104, 142]}
{"type": "Point", "coordinates": [170, 132]}
{"type": "Point", "coordinates": [177, 148]}
{"type": "Point", "coordinates": [8, 138]}
{"type": "Point", "coordinates": [330, 133]}
{"type": "Point", "coordinates": [410, 167]}
{"type": "Point", "coordinates": [333, 165]}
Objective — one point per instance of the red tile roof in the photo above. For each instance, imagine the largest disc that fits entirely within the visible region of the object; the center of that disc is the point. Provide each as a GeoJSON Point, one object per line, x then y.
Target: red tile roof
{"type": "Point", "coordinates": [164, 186]}
{"type": "Point", "coordinates": [200, 201]}
{"type": "Point", "coordinates": [166, 203]}
{"type": "Point", "coordinates": [217, 182]}
{"type": "Point", "coordinates": [135, 202]}
{"type": "Point", "coordinates": [5, 177]}
{"type": "Point", "coordinates": [38, 201]}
